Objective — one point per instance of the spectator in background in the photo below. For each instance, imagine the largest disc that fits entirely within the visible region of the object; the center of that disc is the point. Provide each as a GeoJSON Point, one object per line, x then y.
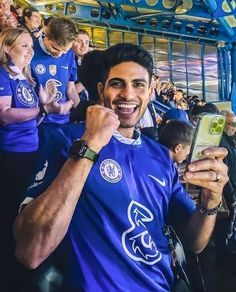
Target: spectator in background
{"type": "Point", "coordinates": [229, 142]}
{"type": "Point", "coordinates": [19, 114]}
{"type": "Point", "coordinates": [180, 101]}
{"type": "Point", "coordinates": [177, 136]}
{"type": "Point", "coordinates": [2, 14]}
{"type": "Point", "coordinates": [32, 21]}
{"type": "Point", "coordinates": [81, 47]}
{"type": "Point", "coordinates": [173, 114]}
{"type": "Point", "coordinates": [156, 83]}
{"type": "Point", "coordinates": [54, 61]}
{"type": "Point", "coordinates": [19, 12]}
{"type": "Point", "coordinates": [198, 109]}
{"type": "Point", "coordinates": [90, 75]}
{"type": "Point", "coordinates": [194, 100]}
{"type": "Point", "coordinates": [7, 18]}
{"type": "Point", "coordinates": [225, 228]}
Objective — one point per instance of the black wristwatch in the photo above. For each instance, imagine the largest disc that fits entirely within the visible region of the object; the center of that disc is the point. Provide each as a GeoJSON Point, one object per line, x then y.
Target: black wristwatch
{"type": "Point", "coordinates": [42, 111]}
{"type": "Point", "coordinates": [79, 149]}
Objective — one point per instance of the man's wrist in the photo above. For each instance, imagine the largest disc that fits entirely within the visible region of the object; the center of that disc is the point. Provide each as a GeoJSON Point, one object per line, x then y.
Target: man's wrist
{"type": "Point", "coordinates": [212, 211]}
{"type": "Point", "coordinates": [92, 144]}
{"type": "Point", "coordinates": [79, 149]}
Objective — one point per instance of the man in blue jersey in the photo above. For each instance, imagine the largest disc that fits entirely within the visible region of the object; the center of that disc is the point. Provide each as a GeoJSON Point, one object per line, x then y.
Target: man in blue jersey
{"type": "Point", "coordinates": [54, 61]}
{"type": "Point", "coordinates": [103, 192]}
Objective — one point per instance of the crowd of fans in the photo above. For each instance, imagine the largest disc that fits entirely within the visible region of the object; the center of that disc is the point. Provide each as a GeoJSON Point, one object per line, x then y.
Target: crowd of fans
{"type": "Point", "coordinates": [39, 103]}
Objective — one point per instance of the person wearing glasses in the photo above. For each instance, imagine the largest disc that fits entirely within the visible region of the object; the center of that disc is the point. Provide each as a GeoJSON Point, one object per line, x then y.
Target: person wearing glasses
{"type": "Point", "coordinates": [225, 228]}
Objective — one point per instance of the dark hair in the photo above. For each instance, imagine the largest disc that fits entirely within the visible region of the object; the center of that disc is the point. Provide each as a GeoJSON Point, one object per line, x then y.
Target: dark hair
{"type": "Point", "coordinates": [206, 108]}
{"type": "Point", "coordinates": [90, 72]}
{"type": "Point", "coordinates": [27, 12]}
{"type": "Point", "coordinates": [47, 20]}
{"type": "Point", "coordinates": [127, 52]}
{"type": "Point", "coordinates": [176, 132]}
{"type": "Point", "coordinates": [61, 30]}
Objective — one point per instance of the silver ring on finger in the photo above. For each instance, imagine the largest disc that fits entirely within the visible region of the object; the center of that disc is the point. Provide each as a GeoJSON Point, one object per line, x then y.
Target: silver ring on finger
{"type": "Point", "coordinates": [218, 177]}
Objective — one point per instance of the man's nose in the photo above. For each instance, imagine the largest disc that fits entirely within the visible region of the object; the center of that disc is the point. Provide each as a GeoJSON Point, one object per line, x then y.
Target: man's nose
{"type": "Point", "coordinates": [127, 91]}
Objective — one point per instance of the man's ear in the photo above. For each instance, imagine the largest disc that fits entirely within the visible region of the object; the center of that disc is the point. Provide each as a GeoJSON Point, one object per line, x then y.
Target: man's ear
{"type": "Point", "coordinates": [177, 148]}
{"type": "Point", "coordinates": [100, 89]}
{"type": "Point", "coordinates": [151, 92]}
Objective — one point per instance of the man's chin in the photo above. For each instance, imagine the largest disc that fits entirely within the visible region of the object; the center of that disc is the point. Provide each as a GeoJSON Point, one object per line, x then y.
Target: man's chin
{"type": "Point", "coordinates": [127, 125]}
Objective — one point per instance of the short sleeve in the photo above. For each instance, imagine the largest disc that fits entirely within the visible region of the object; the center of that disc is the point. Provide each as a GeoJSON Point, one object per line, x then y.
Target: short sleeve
{"type": "Point", "coordinates": [5, 86]}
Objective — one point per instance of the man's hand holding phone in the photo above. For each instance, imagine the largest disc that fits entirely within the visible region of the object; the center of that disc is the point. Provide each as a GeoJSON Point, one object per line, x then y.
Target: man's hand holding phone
{"type": "Point", "coordinates": [209, 173]}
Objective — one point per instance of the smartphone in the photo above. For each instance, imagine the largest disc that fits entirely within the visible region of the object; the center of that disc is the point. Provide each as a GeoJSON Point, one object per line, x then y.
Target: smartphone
{"type": "Point", "coordinates": [208, 133]}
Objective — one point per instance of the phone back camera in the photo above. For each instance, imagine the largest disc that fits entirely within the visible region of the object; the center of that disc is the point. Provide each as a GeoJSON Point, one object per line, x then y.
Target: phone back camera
{"type": "Point", "coordinates": [217, 126]}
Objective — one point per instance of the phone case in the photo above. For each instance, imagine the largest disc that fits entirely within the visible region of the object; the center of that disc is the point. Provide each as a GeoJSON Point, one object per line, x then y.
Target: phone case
{"type": "Point", "coordinates": [208, 133]}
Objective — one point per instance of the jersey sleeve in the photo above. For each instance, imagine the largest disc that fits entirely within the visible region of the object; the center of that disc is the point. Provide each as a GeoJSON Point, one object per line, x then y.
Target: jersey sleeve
{"type": "Point", "coordinates": [50, 161]}
{"type": "Point", "coordinates": [5, 86]}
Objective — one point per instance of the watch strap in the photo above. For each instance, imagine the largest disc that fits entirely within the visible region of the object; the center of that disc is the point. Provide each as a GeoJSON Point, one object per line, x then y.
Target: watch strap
{"type": "Point", "coordinates": [91, 155]}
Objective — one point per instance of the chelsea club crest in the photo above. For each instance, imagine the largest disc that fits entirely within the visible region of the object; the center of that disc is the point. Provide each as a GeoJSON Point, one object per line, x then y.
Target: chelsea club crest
{"type": "Point", "coordinates": [40, 69]}
{"type": "Point", "coordinates": [111, 171]}
{"type": "Point", "coordinates": [26, 95]}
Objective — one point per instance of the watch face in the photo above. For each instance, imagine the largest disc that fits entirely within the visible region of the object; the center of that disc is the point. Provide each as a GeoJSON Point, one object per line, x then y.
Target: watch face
{"type": "Point", "coordinates": [77, 149]}
{"type": "Point", "coordinates": [81, 148]}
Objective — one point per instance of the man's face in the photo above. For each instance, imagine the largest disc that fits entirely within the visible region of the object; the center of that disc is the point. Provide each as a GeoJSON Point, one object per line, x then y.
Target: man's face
{"type": "Point", "coordinates": [34, 21]}
{"type": "Point", "coordinates": [230, 124]}
{"type": "Point", "coordinates": [81, 45]}
{"type": "Point", "coordinates": [54, 49]}
{"type": "Point", "coordinates": [127, 91]}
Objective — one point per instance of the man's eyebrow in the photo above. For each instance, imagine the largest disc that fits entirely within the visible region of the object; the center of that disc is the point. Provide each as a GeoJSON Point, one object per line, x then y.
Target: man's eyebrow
{"type": "Point", "coordinates": [116, 79]}
{"type": "Point", "coordinates": [140, 80]}
{"type": "Point", "coordinates": [122, 80]}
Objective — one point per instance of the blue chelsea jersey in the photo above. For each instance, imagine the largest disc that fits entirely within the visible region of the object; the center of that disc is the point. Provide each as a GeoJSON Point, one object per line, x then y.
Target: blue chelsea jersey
{"type": "Point", "coordinates": [21, 136]}
{"type": "Point", "coordinates": [61, 70]}
{"type": "Point", "coordinates": [115, 240]}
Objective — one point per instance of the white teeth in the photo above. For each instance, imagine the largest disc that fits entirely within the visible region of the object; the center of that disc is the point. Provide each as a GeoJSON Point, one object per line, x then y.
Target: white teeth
{"type": "Point", "coordinates": [124, 105]}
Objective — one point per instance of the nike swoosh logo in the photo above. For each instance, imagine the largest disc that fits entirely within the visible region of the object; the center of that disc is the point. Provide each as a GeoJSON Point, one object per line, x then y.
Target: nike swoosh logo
{"type": "Point", "coordinates": [65, 67]}
{"type": "Point", "coordinates": [161, 182]}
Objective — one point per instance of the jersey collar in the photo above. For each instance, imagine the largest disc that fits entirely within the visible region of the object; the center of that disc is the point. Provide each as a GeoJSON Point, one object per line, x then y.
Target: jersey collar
{"type": "Point", "coordinates": [18, 74]}
{"type": "Point", "coordinates": [131, 141]}
{"type": "Point", "coordinates": [42, 45]}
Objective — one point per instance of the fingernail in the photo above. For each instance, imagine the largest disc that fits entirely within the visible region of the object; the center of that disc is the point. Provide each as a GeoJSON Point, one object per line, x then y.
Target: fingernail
{"type": "Point", "coordinates": [206, 152]}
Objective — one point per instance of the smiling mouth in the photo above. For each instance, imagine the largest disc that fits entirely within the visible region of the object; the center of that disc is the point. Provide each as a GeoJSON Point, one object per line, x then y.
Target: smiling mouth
{"type": "Point", "coordinates": [126, 108]}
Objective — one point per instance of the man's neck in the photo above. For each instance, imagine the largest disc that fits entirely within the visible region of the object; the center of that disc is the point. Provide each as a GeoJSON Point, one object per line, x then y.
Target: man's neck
{"type": "Point", "coordinates": [126, 132]}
